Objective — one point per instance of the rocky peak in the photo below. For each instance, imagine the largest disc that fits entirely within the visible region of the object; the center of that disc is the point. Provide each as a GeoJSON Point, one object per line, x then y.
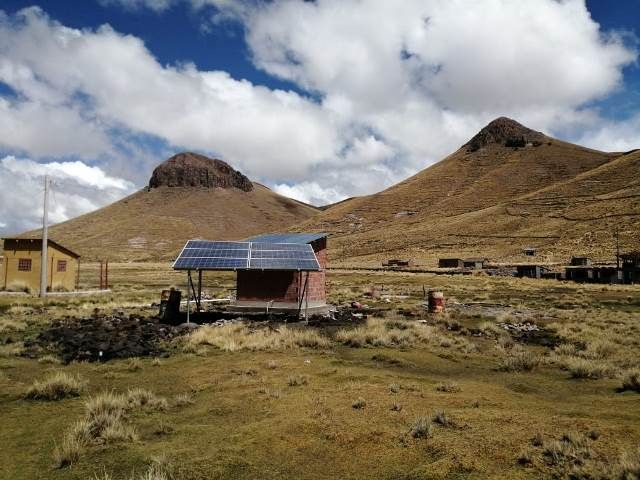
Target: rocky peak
{"type": "Point", "coordinates": [193, 170]}
{"type": "Point", "coordinates": [507, 132]}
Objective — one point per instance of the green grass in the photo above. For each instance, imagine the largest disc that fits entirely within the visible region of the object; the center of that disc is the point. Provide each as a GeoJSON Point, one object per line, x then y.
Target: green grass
{"type": "Point", "coordinates": [284, 406]}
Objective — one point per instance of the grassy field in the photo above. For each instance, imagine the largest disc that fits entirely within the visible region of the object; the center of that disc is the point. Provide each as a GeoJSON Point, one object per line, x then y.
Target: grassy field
{"type": "Point", "coordinates": [400, 395]}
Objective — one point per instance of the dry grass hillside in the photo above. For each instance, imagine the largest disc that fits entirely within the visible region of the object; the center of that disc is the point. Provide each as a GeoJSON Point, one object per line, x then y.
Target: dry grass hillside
{"type": "Point", "coordinates": [508, 188]}
{"type": "Point", "coordinates": [201, 202]}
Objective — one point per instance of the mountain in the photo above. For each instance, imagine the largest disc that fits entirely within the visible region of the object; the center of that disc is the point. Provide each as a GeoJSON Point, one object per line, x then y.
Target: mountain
{"type": "Point", "coordinates": [507, 188]}
{"type": "Point", "coordinates": [189, 196]}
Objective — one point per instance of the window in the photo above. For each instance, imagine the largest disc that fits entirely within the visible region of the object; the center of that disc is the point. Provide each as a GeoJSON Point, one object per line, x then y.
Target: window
{"type": "Point", "coordinates": [24, 265]}
{"type": "Point", "coordinates": [62, 265]}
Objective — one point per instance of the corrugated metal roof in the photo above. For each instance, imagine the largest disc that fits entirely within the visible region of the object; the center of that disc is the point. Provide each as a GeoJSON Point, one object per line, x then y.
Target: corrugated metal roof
{"type": "Point", "coordinates": [287, 237]}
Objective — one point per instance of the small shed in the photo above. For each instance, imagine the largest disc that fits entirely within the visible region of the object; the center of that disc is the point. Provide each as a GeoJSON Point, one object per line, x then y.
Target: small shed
{"type": "Point", "coordinates": [397, 262]}
{"type": "Point", "coordinates": [450, 263]}
{"type": "Point", "coordinates": [532, 271]}
{"type": "Point", "coordinates": [276, 272]}
{"type": "Point", "coordinates": [529, 251]}
{"type": "Point", "coordinates": [21, 262]}
{"type": "Point", "coordinates": [474, 263]}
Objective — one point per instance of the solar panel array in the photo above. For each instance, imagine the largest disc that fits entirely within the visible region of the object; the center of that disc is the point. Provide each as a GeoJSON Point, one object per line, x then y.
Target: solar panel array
{"type": "Point", "coordinates": [206, 255]}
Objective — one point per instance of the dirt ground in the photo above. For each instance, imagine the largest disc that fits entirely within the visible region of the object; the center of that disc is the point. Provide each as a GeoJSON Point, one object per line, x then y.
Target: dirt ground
{"type": "Point", "coordinates": [518, 379]}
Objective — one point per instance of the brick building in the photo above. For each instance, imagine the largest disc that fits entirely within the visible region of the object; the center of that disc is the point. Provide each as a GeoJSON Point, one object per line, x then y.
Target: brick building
{"type": "Point", "coordinates": [285, 289]}
{"type": "Point", "coordinates": [275, 272]}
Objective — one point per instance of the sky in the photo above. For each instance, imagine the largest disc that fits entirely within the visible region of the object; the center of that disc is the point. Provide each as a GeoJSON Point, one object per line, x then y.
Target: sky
{"type": "Point", "coordinates": [320, 100]}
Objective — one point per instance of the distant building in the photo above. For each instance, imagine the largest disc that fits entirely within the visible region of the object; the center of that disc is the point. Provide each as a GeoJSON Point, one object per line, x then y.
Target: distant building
{"type": "Point", "coordinates": [580, 261]}
{"type": "Point", "coordinates": [529, 251]}
{"type": "Point", "coordinates": [396, 262]}
{"type": "Point", "coordinates": [591, 274]}
{"type": "Point", "coordinates": [20, 266]}
{"type": "Point", "coordinates": [533, 271]}
{"type": "Point", "coordinates": [474, 263]}
{"type": "Point", "coordinates": [450, 263]}
{"type": "Point", "coordinates": [631, 267]}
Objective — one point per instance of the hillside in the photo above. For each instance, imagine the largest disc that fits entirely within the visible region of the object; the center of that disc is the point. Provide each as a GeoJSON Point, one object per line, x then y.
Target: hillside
{"type": "Point", "coordinates": [507, 188]}
{"type": "Point", "coordinates": [189, 196]}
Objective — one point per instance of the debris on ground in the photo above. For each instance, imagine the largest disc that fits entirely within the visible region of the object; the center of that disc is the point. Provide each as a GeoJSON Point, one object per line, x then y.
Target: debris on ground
{"type": "Point", "coordinates": [102, 338]}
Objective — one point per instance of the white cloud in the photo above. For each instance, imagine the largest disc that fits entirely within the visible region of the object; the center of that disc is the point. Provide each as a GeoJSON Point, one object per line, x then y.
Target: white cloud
{"type": "Point", "coordinates": [77, 189]}
{"type": "Point", "coordinates": [155, 5]}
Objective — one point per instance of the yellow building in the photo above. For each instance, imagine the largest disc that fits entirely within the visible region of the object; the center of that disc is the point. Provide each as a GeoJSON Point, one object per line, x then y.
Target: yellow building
{"type": "Point", "coordinates": [20, 266]}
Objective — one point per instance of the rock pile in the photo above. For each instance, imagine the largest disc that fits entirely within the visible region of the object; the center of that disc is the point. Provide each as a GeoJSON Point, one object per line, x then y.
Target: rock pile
{"type": "Point", "coordinates": [102, 338]}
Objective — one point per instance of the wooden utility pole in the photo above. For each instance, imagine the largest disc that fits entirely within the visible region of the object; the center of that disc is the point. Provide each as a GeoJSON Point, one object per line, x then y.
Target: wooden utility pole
{"type": "Point", "coordinates": [45, 240]}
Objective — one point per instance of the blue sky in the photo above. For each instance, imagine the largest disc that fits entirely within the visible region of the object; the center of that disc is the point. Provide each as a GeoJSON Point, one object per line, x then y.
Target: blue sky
{"type": "Point", "coordinates": [319, 100]}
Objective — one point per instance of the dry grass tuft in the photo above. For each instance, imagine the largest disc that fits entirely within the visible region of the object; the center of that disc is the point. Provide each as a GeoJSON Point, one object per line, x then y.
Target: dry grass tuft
{"type": "Point", "coordinates": [359, 403]}
{"type": "Point", "coordinates": [8, 325]}
{"type": "Point", "coordinates": [421, 428]}
{"type": "Point", "coordinates": [67, 452]}
{"type": "Point", "coordinates": [441, 418]}
{"type": "Point", "coordinates": [297, 380]}
{"type": "Point", "coordinates": [571, 449]}
{"type": "Point", "coordinates": [631, 381]}
{"type": "Point", "coordinates": [448, 387]}
{"type": "Point", "coordinates": [587, 369]}
{"type": "Point", "coordinates": [58, 386]}
{"type": "Point", "coordinates": [141, 398]}
{"type": "Point", "coordinates": [520, 360]}
{"type": "Point", "coordinates": [49, 359]}
{"type": "Point", "coordinates": [134, 364]}
{"type": "Point", "coordinates": [182, 400]}
{"type": "Point", "coordinates": [378, 332]}
{"type": "Point", "coordinates": [237, 337]}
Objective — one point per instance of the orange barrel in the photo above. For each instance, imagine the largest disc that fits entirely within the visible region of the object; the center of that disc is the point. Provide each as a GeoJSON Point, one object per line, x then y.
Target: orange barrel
{"type": "Point", "coordinates": [435, 301]}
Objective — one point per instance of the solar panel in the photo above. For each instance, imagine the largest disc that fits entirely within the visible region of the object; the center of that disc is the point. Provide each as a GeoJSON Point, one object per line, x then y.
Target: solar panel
{"type": "Point", "coordinates": [208, 255]}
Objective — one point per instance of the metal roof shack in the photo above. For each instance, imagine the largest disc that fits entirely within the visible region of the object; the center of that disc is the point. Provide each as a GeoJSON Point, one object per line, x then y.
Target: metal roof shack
{"type": "Point", "coordinates": [631, 266]}
{"type": "Point", "coordinates": [280, 273]}
{"type": "Point", "coordinates": [533, 271]}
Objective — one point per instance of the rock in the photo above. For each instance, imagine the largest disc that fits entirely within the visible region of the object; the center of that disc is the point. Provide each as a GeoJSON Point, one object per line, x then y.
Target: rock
{"type": "Point", "coordinates": [507, 132]}
{"type": "Point", "coordinates": [194, 170]}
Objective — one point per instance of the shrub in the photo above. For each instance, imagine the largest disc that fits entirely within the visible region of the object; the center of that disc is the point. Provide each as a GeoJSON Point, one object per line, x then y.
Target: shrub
{"type": "Point", "coordinates": [18, 286]}
{"type": "Point", "coordinates": [359, 403]}
{"type": "Point", "coordinates": [56, 387]}
{"type": "Point", "coordinates": [421, 428]}
{"type": "Point", "coordinates": [565, 349]}
{"type": "Point", "coordinates": [394, 388]}
{"type": "Point", "coordinates": [448, 387]}
{"type": "Point", "coordinates": [396, 407]}
{"type": "Point", "coordinates": [631, 381]}
{"type": "Point", "coordinates": [156, 362]}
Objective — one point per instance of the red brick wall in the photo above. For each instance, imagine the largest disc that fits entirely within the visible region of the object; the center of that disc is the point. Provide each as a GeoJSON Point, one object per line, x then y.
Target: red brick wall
{"type": "Point", "coordinates": [255, 285]}
{"type": "Point", "coordinates": [267, 285]}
